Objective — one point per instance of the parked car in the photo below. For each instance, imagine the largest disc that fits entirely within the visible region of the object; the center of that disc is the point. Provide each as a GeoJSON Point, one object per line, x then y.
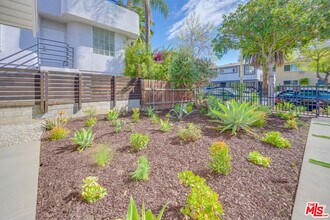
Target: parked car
{"type": "Point", "coordinates": [223, 93]}
{"type": "Point", "coordinates": [309, 97]}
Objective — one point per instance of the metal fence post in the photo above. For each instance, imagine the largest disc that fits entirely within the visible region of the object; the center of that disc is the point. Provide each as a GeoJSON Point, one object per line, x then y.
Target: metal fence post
{"type": "Point", "coordinates": [260, 92]}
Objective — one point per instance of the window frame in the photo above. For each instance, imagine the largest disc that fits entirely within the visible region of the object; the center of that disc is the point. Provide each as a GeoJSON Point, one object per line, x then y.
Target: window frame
{"type": "Point", "coordinates": [234, 69]}
{"type": "Point", "coordinates": [103, 42]}
{"type": "Point", "coordinates": [253, 70]}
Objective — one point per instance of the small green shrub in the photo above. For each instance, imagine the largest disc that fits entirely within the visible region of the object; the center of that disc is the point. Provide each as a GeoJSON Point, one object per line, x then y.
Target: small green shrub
{"type": "Point", "coordinates": [262, 120]}
{"type": "Point", "coordinates": [191, 133]}
{"type": "Point", "coordinates": [220, 158]}
{"type": "Point", "coordinates": [91, 122]}
{"type": "Point", "coordinates": [165, 126]}
{"type": "Point", "coordinates": [275, 138]}
{"type": "Point", "coordinates": [119, 124]}
{"type": "Point", "coordinates": [58, 133]}
{"type": "Point", "coordinates": [235, 116]}
{"type": "Point", "coordinates": [50, 124]}
{"type": "Point", "coordinates": [300, 108]}
{"type": "Point", "coordinates": [202, 202]}
{"type": "Point", "coordinates": [133, 213]}
{"type": "Point", "coordinates": [103, 155]}
{"type": "Point", "coordinates": [136, 115]}
{"type": "Point", "coordinates": [138, 141]}
{"type": "Point", "coordinates": [203, 110]}
{"type": "Point", "coordinates": [291, 123]}
{"type": "Point", "coordinates": [180, 111]}
{"type": "Point", "coordinates": [91, 190]}
{"type": "Point", "coordinates": [257, 158]}
{"type": "Point", "coordinates": [264, 108]}
{"type": "Point", "coordinates": [91, 112]}
{"type": "Point", "coordinates": [113, 114]}
{"type": "Point", "coordinates": [150, 111]}
{"type": "Point", "coordinates": [286, 106]}
{"type": "Point", "coordinates": [168, 116]}
{"type": "Point", "coordinates": [154, 119]}
{"type": "Point", "coordinates": [142, 170]}
{"type": "Point", "coordinates": [190, 107]}
{"type": "Point", "coordinates": [287, 115]}
{"type": "Point", "coordinates": [83, 138]}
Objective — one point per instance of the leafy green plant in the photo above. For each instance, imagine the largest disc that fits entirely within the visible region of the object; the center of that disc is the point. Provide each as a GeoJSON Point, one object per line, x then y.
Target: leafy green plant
{"type": "Point", "coordinates": [154, 119]}
{"type": "Point", "coordinates": [191, 133]}
{"type": "Point", "coordinates": [136, 115]}
{"type": "Point", "coordinates": [118, 125]}
{"type": "Point", "coordinates": [286, 106]}
{"type": "Point", "coordinates": [83, 138]}
{"type": "Point", "coordinates": [91, 112]}
{"type": "Point", "coordinates": [257, 158]}
{"type": "Point", "coordinates": [180, 111]}
{"type": "Point", "coordinates": [291, 123]}
{"type": "Point", "coordinates": [103, 155]}
{"type": "Point", "coordinates": [264, 108]}
{"type": "Point", "coordinates": [142, 170]}
{"type": "Point", "coordinates": [50, 124]}
{"type": "Point", "coordinates": [91, 122]}
{"type": "Point", "coordinates": [150, 111]}
{"type": "Point", "coordinates": [165, 125]}
{"type": "Point", "coordinates": [235, 116]}
{"type": "Point", "coordinates": [203, 110]}
{"type": "Point", "coordinates": [300, 108]}
{"type": "Point", "coordinates": [320, 163]}
{"type": "Point", "coordinates": [220, 158]}
{"type": "Point", "coordinates": [113, 114]}
{"type": "Point", "coordinates": [287, 115]}
{"type": "Point", "coordinates": [262, 120]}
{"type": "Point", "coordinates": [91, 190]}
{"type": "Point", "coordinates": [133, 213]}
{"type": "Point", "coordinates": [202, 202]}
{"type": "Point", "coordinates": [190, 107]}
{"type": "Point", "coordinates": [58, 133]}
{"type": "Point", "coordinates": [275, 138]}
{"type": "Point", "coordinates": [138, 141]}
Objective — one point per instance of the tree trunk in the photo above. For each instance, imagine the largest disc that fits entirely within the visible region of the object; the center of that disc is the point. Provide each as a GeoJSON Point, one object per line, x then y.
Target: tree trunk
{"type": "Point", "coordinates": [264, 80]}
{"type": "Point", "coordinates": [129, 3]}
{"type": "Point", "coordinates": [271, 83]}
{"type": "Point", "coordinates": [147, 22]}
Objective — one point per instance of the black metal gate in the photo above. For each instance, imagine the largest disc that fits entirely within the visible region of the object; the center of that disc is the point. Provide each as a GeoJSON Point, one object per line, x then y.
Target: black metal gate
{"type": "Point", "coordinates": [304, 100]}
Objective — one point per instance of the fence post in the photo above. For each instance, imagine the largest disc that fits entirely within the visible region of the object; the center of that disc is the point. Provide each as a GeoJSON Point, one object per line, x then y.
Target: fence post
{"type": "Point", "coordinates": [260, 92]}
{"type": "Point", "coordinates": [42, 92]}
{"type": "Point", "coordinates": [141, 93]}
{"type": "Point", "coordinates": [80, 92]}
{"type": "Point", "coordinates": [317, 110]}
{"type": "Point", "coordinates": [114, 92]}
{"type": "Point", "coordinates": [46, 92]}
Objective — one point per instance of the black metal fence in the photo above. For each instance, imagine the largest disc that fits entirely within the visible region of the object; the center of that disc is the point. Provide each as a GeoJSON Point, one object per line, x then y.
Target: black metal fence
{"type": "Point", "coordinates": [303, 100]}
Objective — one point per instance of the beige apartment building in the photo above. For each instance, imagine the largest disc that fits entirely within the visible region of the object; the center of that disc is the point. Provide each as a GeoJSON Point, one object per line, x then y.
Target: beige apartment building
{"type": "Point", "coordinates": [289, 74]}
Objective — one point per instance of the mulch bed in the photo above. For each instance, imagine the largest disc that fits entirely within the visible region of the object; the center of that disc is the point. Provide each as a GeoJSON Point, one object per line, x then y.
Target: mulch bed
{"type": "Point", "coordinates": [248, 192]}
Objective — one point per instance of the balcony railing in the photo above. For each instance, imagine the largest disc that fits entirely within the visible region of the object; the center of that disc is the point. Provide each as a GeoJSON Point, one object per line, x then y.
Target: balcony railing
{"type": "Point", "coordinates": [45, 52]}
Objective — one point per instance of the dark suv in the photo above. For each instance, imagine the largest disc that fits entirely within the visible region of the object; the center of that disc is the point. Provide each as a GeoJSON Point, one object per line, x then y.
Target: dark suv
{"type": "Point", "coordinates": [308, 97]}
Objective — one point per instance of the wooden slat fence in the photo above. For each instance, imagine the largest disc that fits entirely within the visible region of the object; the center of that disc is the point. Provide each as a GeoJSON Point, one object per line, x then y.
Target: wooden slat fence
{"type": "Point", "coordinates": [29, 88]}
{"type": "Point", "coordinates": [160, 94]}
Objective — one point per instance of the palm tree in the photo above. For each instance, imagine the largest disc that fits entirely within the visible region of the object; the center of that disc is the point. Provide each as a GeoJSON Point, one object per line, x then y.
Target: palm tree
{"type": "Point", "coordinates": [257, 61]}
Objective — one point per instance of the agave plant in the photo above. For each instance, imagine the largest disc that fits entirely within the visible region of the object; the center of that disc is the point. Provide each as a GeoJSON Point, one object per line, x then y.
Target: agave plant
{"type": "Point", "coordinates": [83, 138]}
{"type": "Point", "coordinates": [180, 111]}
{"type": "Point", "coordinates": [133, 212]}
{"type": "Point", "coordinates": [235, 116]}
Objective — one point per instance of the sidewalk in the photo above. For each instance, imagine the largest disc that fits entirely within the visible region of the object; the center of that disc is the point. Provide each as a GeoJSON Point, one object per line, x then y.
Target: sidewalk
{"type": "Point", "coordinates": [314, 181]}
{"type": "Point", "coordinates": [19, 167]}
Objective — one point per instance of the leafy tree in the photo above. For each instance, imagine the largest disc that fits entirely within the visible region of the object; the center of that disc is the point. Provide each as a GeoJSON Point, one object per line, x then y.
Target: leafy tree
{"type": "Point", "coordinates": [269, 29]}
{"type": "Point", "coordinates": [315, 57]}
{"type": "Point", "coordinates": [139, 63]}
{"type": "Point", "coordinates": [197, 37]}
{"type": "Point", "coordinates": [186, 71]}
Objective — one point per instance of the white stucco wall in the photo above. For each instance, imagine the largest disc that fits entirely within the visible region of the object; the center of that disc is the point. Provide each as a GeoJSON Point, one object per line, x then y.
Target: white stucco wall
{"type": "Point", "coordinates": [80, 36]}
{"type": "Point", "coordinates": [14, 39]}
{"type": "Point", "coordinates": [227, 77]}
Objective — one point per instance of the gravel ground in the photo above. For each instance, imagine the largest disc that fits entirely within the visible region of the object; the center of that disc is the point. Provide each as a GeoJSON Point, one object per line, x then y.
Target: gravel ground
{"type": "Point", "coordinates": [20, 133]}
{"type": "Point", "coordinates": [248, 192]}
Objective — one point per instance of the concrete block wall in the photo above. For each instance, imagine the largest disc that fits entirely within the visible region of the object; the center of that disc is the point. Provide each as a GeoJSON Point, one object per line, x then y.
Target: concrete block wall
{"type": "Point", "coordinates": [14, 115]}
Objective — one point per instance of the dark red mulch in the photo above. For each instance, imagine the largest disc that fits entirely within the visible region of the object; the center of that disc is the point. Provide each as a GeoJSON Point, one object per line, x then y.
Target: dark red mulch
{"type": "Point", "coordinates": [248, 192]}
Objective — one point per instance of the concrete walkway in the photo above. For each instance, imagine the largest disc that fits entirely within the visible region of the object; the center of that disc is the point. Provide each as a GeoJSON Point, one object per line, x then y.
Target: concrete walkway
{"type": "Point", "coordinates": [314, 181]}
{"type": "Point", "coordinates": [19, 168]}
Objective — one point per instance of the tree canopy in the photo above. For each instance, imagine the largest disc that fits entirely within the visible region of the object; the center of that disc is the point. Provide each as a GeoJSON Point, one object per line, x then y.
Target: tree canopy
{"type": "Point", "coordinates": [268, 29]}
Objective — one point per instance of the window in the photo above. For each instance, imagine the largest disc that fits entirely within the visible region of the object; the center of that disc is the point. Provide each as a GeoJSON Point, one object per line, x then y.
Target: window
{"type": "Point", "coordinates": [290, 67]}
{"type": "Point", "coordinates": [320, 82]}
{"type": "Point", "coordinates": [249, 70]}
{"type": "Point", "coordinates": [286, 82]}
{"type": "Point", "coordinates": [228, 70]}
{"type": "Point", "coordinates": [294, 82]}
{"type": "Point", "coordinates": [103, 42]}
